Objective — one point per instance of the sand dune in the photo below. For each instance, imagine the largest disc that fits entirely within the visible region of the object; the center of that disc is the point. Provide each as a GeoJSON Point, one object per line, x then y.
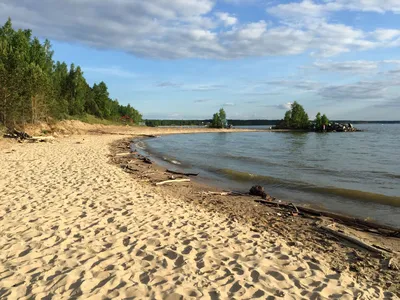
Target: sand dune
{"type": "Point", "coordinates": [72, 225]}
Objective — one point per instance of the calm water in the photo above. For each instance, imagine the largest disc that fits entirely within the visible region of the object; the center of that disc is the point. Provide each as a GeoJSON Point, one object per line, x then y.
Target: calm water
{"type": "Point", "coordinates": [354, 173]}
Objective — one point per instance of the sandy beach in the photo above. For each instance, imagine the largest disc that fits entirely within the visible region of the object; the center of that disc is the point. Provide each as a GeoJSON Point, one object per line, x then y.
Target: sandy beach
{"type": "Point", "coordinates": [72, 225]}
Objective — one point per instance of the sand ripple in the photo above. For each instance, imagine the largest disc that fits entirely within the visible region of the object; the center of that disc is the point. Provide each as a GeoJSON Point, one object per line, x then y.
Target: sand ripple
{"type": "Point", "coordinates": [71, 225]}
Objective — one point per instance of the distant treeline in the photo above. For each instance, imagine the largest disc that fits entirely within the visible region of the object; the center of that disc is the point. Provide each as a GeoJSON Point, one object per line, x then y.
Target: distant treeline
{"type": "Point", "coordinates": [208, 121]}
{"type": "Point", "coordinates": [155, 123]}
{"type": "Point", "coordinates": [367, 122]}
{"type": "Point", "coordinates": [34, 88]}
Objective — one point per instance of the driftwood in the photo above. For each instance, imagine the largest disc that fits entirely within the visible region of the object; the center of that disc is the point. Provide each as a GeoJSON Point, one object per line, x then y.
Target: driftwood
{"type": "Point", "coordinates": [182, 173]}
{"type": "Point", "coordinates": [150, 135]}
{"type": "Point", "coordinates": [15, 134]}
{"type": "Point", "coordinates": [217, 193]}
{"type": "Point", "coordinates": [147, 160]}
{"type": "Point", "coordinates": [393, 264]}
{"type": "Point", "coordinates": [123, 154]}
{"type": "Point", "coordinates": [350, 221]}
{"type": "Point", "coordinates": [129, 169]}
{"type": "Point", "coordinates": [172, 181]}
{"type": "Point", "coordinates": [35, 139]}
{"type": "Point", "coordinates": [351, 239]}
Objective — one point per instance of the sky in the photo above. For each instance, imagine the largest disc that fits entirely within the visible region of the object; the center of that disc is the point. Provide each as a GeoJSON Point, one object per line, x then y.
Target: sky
{"type": "Point", "coordinates": [185, 59]}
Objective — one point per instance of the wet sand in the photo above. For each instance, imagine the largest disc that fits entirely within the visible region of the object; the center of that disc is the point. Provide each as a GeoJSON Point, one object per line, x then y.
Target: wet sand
{"type": "Point", "coordinates": [74, 225]}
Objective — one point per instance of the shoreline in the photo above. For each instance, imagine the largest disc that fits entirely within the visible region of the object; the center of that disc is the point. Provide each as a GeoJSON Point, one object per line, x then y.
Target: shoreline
{"type": "Point", "coordinates": [313, 208]}
{"type": "Point", "coordinates": [83, 227]}
{"type": "Point", "coordinates": [307, 208]}
{"type": "Point", "coordinates": [305, 227]}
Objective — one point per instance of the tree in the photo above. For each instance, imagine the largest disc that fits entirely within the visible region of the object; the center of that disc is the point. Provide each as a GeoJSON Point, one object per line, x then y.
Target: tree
{"type": "Point", "coordinates": [33, 87]}
{"type": "Point", "coordinates": [320, 121]}
{"type": "Point", "coordinates": [287, 118]}
{"type": "Point", "coordinates": [216, 121]}
{"type": "Point", "coordinates": [324, 120]}
{"type": "Point", "coordinates": [219, 119]}
{"type": "Point", "coordinates": [296, 117]}
{"type": "Point", "coordinates": [222, 117]}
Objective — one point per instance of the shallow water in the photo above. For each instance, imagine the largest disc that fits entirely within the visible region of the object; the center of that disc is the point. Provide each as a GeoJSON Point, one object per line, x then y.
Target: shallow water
{"type": "Point", "coordinates": [354, 173]}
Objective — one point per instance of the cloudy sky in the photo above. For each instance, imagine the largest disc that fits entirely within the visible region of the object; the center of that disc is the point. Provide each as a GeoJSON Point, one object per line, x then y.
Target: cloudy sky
{"type": "Point", "coordinates": [187, 58]}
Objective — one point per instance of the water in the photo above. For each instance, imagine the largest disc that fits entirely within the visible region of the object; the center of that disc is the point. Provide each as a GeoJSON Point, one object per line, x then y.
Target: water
{"type": "Point", "coordinates": [353, 173]}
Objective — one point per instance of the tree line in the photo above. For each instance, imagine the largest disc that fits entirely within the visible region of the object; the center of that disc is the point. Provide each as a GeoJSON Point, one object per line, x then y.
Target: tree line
{"type": "Point", "coordinates": [297, 118]}
{"type": "Point", "coordinates": [35, 88]}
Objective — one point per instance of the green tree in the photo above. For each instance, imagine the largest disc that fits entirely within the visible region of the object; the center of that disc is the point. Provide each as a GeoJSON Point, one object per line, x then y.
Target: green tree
{"type": "Point", "coordinates": [33, 87]}
{"type": "Point", "coordinates": [296, 117]}
{"type": "Point", "coordinates": [324, 120]}
{"type": "Point", "coordinates": [222, 117]}
{"type": "Point", "coordinates": [216, 121]}
{"type": "Point", "coordinates": [288, 116]}
{"type": "Point", "coordinates": [219, 119]}
{"type": "Point", "coordinates": [318, 123]}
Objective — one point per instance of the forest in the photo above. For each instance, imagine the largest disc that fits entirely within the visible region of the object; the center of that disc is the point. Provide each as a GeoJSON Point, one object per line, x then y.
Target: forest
{"type": "Point", "coordinates": [34, 88]}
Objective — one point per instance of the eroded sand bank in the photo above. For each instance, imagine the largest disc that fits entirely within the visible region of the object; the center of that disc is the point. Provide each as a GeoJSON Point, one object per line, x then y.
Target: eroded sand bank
{"type": "Point", "coordinates": [73, 225]}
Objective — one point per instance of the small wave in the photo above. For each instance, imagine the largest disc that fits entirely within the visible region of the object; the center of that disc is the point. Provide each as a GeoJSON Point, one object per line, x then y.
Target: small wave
{"type": "Point", "coordinates": [341, 192]}
{"type": "Point", "coordinates": [171, 160]}
{"type": "Point", "coordinates": [244, 176]}
{"type": "Point", "coordinates": [140, 145]}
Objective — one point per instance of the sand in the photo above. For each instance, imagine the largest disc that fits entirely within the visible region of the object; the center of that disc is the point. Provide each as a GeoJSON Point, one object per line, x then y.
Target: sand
{"type": "Point", "coordinates": [72, 225]}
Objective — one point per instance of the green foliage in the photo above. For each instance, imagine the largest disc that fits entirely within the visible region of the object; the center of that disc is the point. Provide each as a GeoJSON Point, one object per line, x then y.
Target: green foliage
{"type": "Point", "coordinates": [34, 88]}
{"type": "Point", "coordinates": [219, 119]}
{"type": "Point", "coordinates": [320, 121]}
{"type": "Point", "coordinates": [324, 120]}
{"type": "Point", "coordinates": [155, 123]}
{"type": "Point", "coordinates": [296, 117]}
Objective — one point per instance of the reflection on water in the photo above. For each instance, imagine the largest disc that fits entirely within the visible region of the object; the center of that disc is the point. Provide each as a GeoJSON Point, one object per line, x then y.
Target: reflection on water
{"type": "Point", "coordinates": [356, 173]}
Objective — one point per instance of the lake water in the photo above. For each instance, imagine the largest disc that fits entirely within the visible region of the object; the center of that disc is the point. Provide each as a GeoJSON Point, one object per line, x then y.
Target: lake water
{"type": "Point", "coordinates": [353, 173]}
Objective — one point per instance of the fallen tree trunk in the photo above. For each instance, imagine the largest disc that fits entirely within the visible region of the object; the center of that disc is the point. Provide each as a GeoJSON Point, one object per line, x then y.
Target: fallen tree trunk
{"type": "Point", "coordinates": [172, 181]}
{"type": "Point", "coordinates": [350, 221]}
{"type": "Point", "coordinates": [182, 173]}
{"type": "Point", "coordinates": [41, 139]}
{"type": "Point", "coordinates": [147, 160]}
{"type": "Point", "coordinates": [123, 154]}
{"type": "Point", "coordinates": [352, 239]}
{"type": "Point", "coordinates": [129, 169]}
{"type": "Point", "coordinates": [15, 134]}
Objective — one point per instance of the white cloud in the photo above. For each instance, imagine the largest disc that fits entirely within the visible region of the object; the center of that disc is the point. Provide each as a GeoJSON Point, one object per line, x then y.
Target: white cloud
{"type": "Point", "coordinates": [165, 84]}
{"type": "Point", "coordinates": [312, 9]}
{"type": "Point", "coordinates": [304, 9]}
{"type": "Point", "coordinates": [175, 29]}
{"type": "Point", "coordinates": [285, 106]}
{"type": "Point", "coordinates": [229, 104]}
{"type": "Point", "coordinates": [226, 18]}
{"type": "Point", "coordinates": [203, 87]}
{"type": "Point", "coordinates": [305, 85]}
{"type": "Point", "coordinates": [385, 34]}
{"type": "Point", "coordinates": [357, 66]}
{"type": "Point", "coordinates": [362, 90]}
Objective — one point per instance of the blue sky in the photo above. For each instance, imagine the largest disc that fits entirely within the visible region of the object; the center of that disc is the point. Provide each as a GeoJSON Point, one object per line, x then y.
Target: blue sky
{"type": "Point", "coordinates": [185, 59]}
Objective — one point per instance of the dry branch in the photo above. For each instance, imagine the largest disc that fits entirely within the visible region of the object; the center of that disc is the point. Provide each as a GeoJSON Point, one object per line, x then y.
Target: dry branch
{"type": "Point", "coordinates": [123, 154]}
{"type": "Point", "coordinates": [352, 239]}
{"type": "Point", "coordinates": [182, 173]}
{"type": "Point", "coordinates": [172, 181]}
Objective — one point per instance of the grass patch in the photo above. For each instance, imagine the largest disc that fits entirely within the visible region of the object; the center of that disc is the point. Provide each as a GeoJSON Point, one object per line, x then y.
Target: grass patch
{"type": "Point", "coordinates": [90, 119]}
{"type": "Point", "coordinates": [3, 130]}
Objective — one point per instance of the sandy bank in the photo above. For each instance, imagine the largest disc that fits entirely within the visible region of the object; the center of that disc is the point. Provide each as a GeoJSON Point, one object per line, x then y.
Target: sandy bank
{"type": "Point", "coordinates": [72, 225]}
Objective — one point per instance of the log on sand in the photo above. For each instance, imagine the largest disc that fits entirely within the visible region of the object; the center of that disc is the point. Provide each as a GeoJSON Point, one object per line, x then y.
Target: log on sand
{"type": "Point", "coordinates": [351, 239]}
{"type": "Point", "coordinates": [350, 221]}
{"type": "Point", "coordinates": [172, 181]}
{"type": "Point", "coordinates": [182, 173]}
